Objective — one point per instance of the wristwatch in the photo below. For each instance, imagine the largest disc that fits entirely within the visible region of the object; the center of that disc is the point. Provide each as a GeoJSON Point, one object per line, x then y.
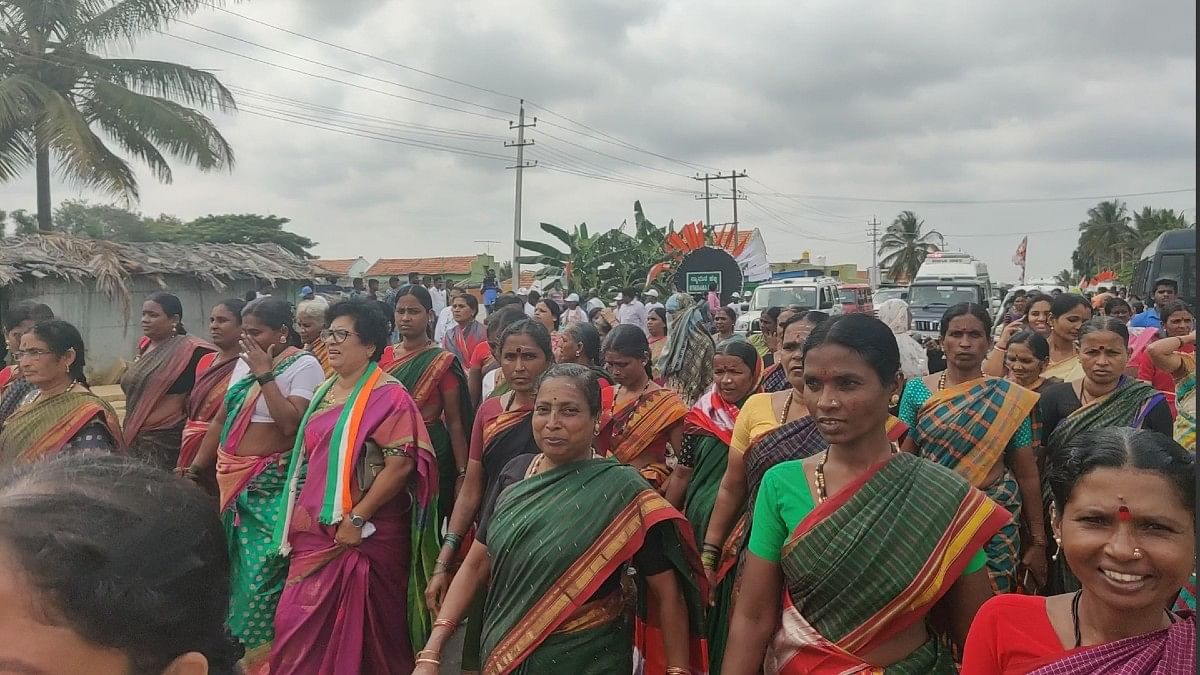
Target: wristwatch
{"type": "Point", "coordinates": [265, 378]}
{"type": "Point", "coordinates": [357, 521]}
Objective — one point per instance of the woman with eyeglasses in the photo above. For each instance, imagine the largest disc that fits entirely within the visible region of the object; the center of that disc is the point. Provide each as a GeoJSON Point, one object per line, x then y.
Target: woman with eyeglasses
{"type": "Point", "coordinates": [18, 320]}
{"type": "Point", "coordinates": [159, 381]}
{"type": "Point", "coordinates": [1125, 516]}
{"type": "Point", "coordinates": [269, 389]}
{"type": "Point", "coordinates": [352, 530]}
{"type": "Point", "coordinates": [60, 414]}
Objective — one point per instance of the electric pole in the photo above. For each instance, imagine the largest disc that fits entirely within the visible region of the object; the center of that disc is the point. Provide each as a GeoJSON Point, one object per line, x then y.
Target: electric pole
{"type": "Point", "coordinates": [707, 198]}
{"type": "Point", "coordinates": [736, 196]}
{"type": "Point", "coordinates": [520, 166]}
{"type": "Point", "coordinates": [874, 233]}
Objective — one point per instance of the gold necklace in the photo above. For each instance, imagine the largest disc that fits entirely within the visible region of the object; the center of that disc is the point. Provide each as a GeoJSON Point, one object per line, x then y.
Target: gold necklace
{"type": "Point", "coordinates": [37, 395]}
{"type": "Point", "coordinates": [787, 407]}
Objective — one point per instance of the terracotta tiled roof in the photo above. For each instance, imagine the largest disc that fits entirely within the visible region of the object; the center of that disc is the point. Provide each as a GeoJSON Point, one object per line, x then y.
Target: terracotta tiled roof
{"type": "Point", "coordinates": [386, 267]}
{"type": "Point", "coordinates": [527, 279]}
{"type": "Point", "coordinates": [743, 236]}
{"type": "Point", "coordinates": [338, 266]}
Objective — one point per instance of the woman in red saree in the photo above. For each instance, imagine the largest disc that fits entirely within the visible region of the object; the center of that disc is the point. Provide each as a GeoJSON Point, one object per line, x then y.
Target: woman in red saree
{"type": "Point", "coordinates": [560, 608]}
{"type": "Point", "coordinates": [467, 333]}
{"type": "Point", "coordinates": [363, 509]}
{"type": "Point", "coordinates": [60, 414]}
{"type": "Point", "coordinates": [1124, 513]}
{"type": "Point", "coordinates": [212, 376]}
{"type": "Point", "coordinates": [158, 383]}
{"type": "Point", "coordinates": [640, 419]}
{"type": "Point", "coordinates": [503, 430]}
{"type": "Point", "coordinates": [852, 549]}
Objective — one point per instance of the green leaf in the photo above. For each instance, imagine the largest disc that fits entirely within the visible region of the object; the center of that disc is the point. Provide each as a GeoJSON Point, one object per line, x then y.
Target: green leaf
{"type": "Point", "coordinates": [560, 234]}
{"type": "Point", "coordinates": [544, 249]}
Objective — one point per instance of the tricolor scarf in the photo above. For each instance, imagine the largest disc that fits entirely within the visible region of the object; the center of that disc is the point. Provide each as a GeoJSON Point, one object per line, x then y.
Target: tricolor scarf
{"type": "Point", "coordinates": [338, 499]}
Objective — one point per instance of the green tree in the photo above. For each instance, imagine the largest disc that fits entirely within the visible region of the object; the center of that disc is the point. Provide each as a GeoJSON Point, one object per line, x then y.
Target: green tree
{"type": "Point", "coordinates": [1064, 278]}
{"type": "Point", "coordinates": [1151, 222]}
{"type": "Point", "coordinates": [904, 245]}
{"type": "Point", "coordinates": [25, 222]}
{"type": "Point", "coordinates": [245, 228]}
{"type": "Point", "coordinates": [1105, 238]}
{"type": "Point", "coordinates": [57, 91]}
{"type": "Point", "coordinates": [585, 254]}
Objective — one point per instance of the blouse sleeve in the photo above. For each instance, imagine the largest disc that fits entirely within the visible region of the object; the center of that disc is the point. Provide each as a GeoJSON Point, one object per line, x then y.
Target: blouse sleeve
{"type": "Point", "coordinates": [1023, 438]}
{"type": "Point", "coordinates": [769, 531]}
{"type": "Point", "coordinates": [651, 559]}
{"type": "Point", "coordinates": [745, 421]}
{"type": "Point", "coordinates": [475, 452]}
{"type": "Point", "coordinates": [308, 377]}
{"type": "Point", "coordinates": [1159, 419]}
{"type": "Point", "coordinates": [980, 655]}
{"type": "Point", "coordinates": [93, 436]}
{"type": "Point", "coordinates": [909, 405]}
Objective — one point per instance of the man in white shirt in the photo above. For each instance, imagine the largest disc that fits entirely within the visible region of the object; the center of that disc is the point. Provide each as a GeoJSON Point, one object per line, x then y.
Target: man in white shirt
{"type": "Point", "coordinates": [573, 313]}
{"type": "Point", "coordinates": [650, 297]}
{"type": "Point", "coordinates": [735, 303]}
{"type": "Point", "coordinates": [437, 296]}
{"type": "Point", "coordinates": [445, 318]}
{"type": "Point", "coordinates": [631, 310]}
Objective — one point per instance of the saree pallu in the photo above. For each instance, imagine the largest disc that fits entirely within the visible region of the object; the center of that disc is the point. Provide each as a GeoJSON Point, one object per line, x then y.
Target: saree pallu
{"type": "Point", "coordinates": [43, 428]}
{"type": "Point", "coordinates": [422, 373]}
{"type": "Point", "coordinates": [321, 350]}
{"type": "Point", "coordinates": [250, 486]}
{"type": "Point", "coordinates": [920, 524]}
{"type": "Point", "coordinates": [1166, 652]}
{"type": "Point", "coordinates": [343, 609]}
{"type": "Point", "coordinates": [538, 618]}
{"type": "Point", "coordinates": [462, 341]}
{"type": "Point", "coordinates": [1067, 370]}
{"type": "Point", "coordinates": [1185, 397]}
{"type": "Point", "coordinates": [203, 405]}
{"type": "Point", "coordinates": [145, 383]}
{"type": "Point", "coordinates": [639, 427]}
{"type": "Point", "coordinates": [775, 379]}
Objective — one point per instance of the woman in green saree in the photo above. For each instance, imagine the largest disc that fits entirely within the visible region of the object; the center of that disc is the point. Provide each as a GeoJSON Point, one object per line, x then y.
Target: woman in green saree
{"type": "Point", "coordinates": [438, 385]}
{"type": "Point", "coordinates": [708, 431]}
{"type": "Point", "coordinates": [852, 548]}
{"type": "Point", "coordinates": [248, 441]}
{"type": "Point", "coordinates": [559, 608]}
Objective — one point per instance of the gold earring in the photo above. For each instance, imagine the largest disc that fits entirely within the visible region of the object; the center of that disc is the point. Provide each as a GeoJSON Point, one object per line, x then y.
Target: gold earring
{"type": "Point", "coordinates": [895, 400]}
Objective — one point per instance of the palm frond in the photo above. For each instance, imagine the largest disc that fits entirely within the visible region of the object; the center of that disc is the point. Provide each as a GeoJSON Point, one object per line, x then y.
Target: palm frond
{"type": "Point", "coordinates": [84, 159]}
{"type": "Point", "coordinates": [178, 130]}
{"type": "Point", "coordinates": [16, 152]}
{"type": "Point", "coordinates": [21, 95]}
{"type": "Point", "coordinates": [128, 19]}
{"type": "Point", "coordinates": [162, 79]}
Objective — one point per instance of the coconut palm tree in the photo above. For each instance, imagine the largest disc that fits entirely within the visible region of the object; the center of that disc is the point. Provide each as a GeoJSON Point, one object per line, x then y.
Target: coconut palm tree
{"type": "Point", "coordinates": [904, 246]}
{"type": "Point", "coordinates": [1064, 278]}
{"type": "Point", "coordinates": [1151, 222]}
{"type": "Point", "coordinates": [1106, 237]}
{"type": "Point", "coordinates": [56, 92]}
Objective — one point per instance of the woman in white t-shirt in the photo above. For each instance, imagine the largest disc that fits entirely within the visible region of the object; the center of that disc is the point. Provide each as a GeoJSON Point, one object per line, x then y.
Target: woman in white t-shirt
{"type": "Point", "coordinates": [250, 440]}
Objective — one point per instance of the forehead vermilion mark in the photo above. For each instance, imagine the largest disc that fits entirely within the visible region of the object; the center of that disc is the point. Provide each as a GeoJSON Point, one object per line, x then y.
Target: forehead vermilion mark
{"type": "Point", "coordinates": [1123, 513]}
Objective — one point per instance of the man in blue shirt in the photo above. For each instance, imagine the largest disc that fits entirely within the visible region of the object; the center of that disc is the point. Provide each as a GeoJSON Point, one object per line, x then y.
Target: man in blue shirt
{"type": "Point", "coordinates": [1165, 291]}
{"type": "Point", "coordinates": [490, 288]}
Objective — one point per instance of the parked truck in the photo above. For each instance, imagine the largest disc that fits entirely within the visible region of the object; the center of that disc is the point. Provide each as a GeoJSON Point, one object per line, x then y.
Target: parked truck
{"type": "Point", "coordinates": [943, 280]}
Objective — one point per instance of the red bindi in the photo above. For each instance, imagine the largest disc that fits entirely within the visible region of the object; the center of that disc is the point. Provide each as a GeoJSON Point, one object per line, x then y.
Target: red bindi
{"type": "Point", "coordinates": [1123, 513]}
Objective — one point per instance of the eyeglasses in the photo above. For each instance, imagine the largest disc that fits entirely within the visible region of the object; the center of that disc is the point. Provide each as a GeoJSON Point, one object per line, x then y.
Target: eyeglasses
{"type": "Point", "coordinates": [336, 337]}
{"type": "Point", "coordinates": [31, 353]}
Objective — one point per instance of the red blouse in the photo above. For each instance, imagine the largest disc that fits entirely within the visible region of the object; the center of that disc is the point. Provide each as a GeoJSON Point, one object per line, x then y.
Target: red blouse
{"type": "Point", "coordinates": [1011, 635]}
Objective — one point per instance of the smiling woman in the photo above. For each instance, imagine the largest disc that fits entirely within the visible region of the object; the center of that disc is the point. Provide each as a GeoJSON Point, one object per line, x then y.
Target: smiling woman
{"type": "Point", "coordinates": [1125, 504]}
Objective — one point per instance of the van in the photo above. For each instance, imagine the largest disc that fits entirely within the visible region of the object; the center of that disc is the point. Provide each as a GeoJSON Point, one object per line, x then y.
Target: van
{"type": "Point", "coordinates": [943, 280]}
{"type": "Point", "coordinates": [820, 293]}
{"type": "Point", "coordinates": [1171, 256]}
{"type": "Point", "coordinates": [856, 298]}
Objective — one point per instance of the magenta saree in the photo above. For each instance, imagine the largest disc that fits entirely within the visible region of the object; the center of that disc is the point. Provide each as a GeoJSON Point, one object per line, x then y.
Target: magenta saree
{"type": "Point", "coordinates": [343, 609]}
{"type": "Point", "coordinates": [1165, 652]}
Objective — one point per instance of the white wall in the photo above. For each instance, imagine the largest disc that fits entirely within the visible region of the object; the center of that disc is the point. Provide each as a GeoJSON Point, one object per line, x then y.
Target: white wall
{"type": "Point", "coordinates": [110, 333]}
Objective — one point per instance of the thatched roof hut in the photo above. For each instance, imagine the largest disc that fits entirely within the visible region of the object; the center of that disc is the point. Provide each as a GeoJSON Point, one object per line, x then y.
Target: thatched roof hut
{"type": "Point", "coordinates": [95, 284]}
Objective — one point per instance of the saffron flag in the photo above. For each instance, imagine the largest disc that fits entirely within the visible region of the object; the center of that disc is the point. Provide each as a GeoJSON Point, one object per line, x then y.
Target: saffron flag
{"type": "Point", "coordinates": [1018, 258]}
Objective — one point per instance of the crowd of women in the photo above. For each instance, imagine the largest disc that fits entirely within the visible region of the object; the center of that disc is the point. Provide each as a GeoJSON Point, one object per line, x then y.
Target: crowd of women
{"type": "Point", "coordinates": [599, 498]}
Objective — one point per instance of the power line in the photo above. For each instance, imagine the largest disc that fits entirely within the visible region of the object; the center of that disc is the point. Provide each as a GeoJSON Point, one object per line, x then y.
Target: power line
{"type": "Point", "coordinates": [330, 79]}
{"type": "Point", "coordinates": [340, 69]}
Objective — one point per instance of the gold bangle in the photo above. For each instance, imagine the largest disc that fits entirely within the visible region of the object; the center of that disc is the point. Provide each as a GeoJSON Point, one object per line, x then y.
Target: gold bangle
{"type": "Point", "coordinates": [676, 670]}
{"type": "Point", "coordinates": [431, 661]}
{"type": "Point", "coordinates": [428, 653]}
{"type": "Point", "coordinates": [445, 622]}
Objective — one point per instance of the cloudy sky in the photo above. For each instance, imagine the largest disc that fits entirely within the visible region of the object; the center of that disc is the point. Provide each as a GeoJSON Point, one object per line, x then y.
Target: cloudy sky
{"type": "Point", "coordinates": [838, 110]}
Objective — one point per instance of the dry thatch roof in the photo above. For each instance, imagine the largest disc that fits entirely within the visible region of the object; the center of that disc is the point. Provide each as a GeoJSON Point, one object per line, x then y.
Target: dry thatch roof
{"type": "Point", "coordinates": [110, 264]}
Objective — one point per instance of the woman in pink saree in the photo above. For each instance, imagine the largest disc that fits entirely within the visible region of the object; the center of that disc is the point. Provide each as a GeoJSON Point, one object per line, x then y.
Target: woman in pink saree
{"type": "Point", "coordinates": [1124, 511]}
{"type": "Point", "coordinates": [371, 476]}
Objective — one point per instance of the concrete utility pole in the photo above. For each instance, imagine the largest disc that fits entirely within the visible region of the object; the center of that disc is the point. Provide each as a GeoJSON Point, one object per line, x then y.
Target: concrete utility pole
{"type": "Point", "coordinates": [736, 196]}
{"type": "Point", "coordinates": [874, 233]}
{"type": "Point", "coordinates": [520, 166]}
{"type": "Point", "coordinates": [708, 197]}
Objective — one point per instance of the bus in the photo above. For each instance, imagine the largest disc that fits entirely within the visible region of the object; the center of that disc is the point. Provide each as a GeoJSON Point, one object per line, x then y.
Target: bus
{"type": "Point", "coordinates": [1171, 256]}
{"type": "Point", "coordinates": [856, 298]}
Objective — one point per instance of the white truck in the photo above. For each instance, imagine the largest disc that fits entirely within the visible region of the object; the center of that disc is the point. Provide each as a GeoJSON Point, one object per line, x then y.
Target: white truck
{"type": "Point", "coordinates": [943, 280]}
{"type": "Point", "coordinates": [820, 293]}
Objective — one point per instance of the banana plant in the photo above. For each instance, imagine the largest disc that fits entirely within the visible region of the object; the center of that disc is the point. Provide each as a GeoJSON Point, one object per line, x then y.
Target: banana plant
{"type": "Point", "coordinates": [581, 260]}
